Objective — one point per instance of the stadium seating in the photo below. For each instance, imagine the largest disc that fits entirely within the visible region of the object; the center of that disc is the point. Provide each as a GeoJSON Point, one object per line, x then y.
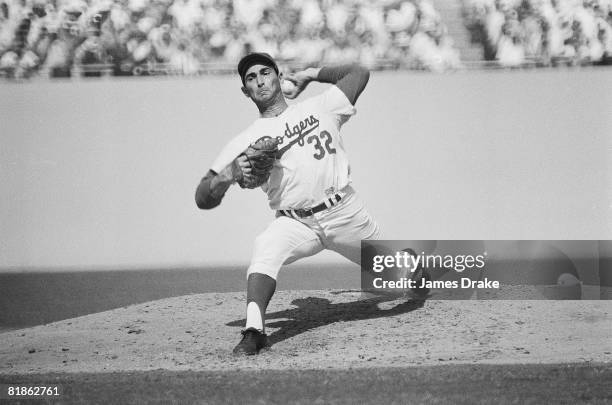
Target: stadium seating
{"type": "Point", "coordinates": [145, 37]}
{"type": "Point", "coordinates": [542, 32]}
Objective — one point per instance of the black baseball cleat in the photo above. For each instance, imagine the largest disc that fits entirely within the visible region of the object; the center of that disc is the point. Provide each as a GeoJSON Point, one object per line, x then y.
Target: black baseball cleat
{"type": "Point", "coordinates": [420, 274]}
{"type": "Point", "coordinates": [252, 342]}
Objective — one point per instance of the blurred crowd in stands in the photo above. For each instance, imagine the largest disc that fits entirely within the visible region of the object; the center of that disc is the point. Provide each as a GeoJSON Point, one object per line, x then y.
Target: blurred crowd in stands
{"type": "Point", "coordinates": [139, 37]}
{"type": "Point", "coordinates": [548, 32]}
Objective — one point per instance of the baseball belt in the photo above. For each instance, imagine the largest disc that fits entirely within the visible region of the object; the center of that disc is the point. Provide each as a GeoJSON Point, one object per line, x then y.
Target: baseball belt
{"type": "Point", "coordinates": [306, 212]}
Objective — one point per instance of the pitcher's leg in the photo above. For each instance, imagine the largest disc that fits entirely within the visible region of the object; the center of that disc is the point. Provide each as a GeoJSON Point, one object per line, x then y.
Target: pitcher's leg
{"type": "Point", "coordinates": [284, 240]}
{"type": "Point", "coordinates": [346, 225]}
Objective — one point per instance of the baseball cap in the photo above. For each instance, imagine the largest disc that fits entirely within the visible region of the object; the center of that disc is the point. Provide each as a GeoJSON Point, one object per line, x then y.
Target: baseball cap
{"type": "Point", "coordinates": [255, 58]}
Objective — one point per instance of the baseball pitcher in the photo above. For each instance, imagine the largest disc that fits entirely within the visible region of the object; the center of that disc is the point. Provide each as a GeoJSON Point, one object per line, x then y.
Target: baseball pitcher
{"type": "Point", "coordinates": [296, 155]}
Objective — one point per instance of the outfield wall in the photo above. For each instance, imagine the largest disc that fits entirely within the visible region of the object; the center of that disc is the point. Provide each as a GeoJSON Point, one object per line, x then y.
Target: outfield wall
{"type": "Point", "coordinates": [102, 173]}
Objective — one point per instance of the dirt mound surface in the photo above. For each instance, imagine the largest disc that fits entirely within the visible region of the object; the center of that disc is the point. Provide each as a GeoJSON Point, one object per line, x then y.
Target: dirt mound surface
{"type": "Point", "coordinates": [314, 330]}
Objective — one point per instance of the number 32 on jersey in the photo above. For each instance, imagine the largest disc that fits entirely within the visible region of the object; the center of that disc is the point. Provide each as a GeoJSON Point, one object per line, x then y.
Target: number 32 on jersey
{"type": "Point", "coordinates": [322, 144]}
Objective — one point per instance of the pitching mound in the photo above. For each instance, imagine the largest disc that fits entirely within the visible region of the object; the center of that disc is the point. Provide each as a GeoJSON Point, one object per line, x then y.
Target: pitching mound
{"type": "Point", "coordinates": [314, 330]}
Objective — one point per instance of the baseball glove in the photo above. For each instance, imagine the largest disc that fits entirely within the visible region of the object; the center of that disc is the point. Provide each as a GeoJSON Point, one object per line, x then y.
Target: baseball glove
{"type": "Point", "coordinates": [261, 156]}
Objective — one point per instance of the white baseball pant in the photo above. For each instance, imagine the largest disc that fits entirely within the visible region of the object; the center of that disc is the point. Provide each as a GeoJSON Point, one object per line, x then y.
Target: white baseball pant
{"type": "Point", "coordinates": [339, 228]}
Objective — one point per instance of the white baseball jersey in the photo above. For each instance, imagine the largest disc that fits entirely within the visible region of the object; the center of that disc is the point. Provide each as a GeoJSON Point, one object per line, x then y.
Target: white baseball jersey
{"type": "Point", "coordinates": [313, 163]}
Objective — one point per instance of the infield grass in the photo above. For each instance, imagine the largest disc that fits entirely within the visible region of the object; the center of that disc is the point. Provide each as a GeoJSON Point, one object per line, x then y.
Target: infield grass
{"type": "Point", "coordinates": [462, 384]}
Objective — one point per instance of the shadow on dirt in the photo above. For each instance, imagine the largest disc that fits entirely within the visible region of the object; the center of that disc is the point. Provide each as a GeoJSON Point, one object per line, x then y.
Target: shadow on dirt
{"type": "Point", "coordinates": [313, 312]}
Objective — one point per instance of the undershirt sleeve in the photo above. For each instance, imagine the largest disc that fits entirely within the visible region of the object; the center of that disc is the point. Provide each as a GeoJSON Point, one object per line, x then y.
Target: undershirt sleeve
{"type": "Point", "coordinates": [351, 79]}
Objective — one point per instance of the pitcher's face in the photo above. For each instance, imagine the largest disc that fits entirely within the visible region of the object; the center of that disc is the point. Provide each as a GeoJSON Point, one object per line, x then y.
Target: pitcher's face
{"type": "Point", "coordinates": [261, 84]}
